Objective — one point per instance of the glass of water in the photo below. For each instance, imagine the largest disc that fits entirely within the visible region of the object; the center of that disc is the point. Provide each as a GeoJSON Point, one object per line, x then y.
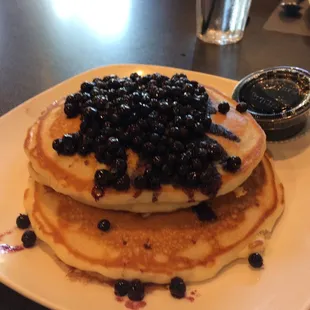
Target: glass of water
{"type": "Point", "coordinates": [221, 21]}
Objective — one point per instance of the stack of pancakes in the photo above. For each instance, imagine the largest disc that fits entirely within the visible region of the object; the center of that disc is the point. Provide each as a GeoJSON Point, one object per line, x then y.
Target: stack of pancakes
{"type": "Point", "coordinates": [154, 235]}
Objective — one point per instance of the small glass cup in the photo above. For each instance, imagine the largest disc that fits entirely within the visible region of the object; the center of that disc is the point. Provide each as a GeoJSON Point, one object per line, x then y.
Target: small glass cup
{"type": "Point", "coordinates": [221, 21]}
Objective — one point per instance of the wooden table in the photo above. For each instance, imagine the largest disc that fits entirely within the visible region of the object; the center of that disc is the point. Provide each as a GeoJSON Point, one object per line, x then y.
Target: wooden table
{"type": "Point", "coordinates": [42, 44]}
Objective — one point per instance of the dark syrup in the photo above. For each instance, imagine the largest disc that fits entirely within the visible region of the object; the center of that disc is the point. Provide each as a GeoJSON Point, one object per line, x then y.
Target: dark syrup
{"type": "Point", "coordinates": [272, 96]}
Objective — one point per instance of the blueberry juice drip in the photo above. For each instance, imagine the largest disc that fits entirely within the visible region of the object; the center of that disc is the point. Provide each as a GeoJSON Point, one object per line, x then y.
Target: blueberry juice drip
{"type": "Point", "coordinates": [163, 120]}
{"type": "Point", "coordinates": [6, 249]}
{"type": "Point", "coordinates": [219, 130]}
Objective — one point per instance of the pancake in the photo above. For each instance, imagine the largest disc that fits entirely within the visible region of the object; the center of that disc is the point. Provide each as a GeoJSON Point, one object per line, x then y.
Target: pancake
{"type": "Point", "coordinates": [160, 246]}
{"type": "Point", "coordinates": [73, 175]}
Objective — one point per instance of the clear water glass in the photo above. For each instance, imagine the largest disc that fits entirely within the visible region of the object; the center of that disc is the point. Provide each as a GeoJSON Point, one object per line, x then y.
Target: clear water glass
{"type": "Point", "coordinates": [221, 21]}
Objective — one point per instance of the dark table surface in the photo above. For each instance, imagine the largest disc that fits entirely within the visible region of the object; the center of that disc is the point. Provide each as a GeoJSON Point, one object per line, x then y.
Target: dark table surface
{"type": "Point", "coordinates": [45, 42]}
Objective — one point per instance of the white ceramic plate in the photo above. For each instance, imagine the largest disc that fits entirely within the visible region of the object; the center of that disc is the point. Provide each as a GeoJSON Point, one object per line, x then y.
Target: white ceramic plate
{"type": "Point", "coordinates": [284, 284]}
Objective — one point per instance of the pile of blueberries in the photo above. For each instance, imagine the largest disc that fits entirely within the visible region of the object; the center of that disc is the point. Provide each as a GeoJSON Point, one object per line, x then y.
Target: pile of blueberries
{"type": "Point", "coordinates": [163, 120]}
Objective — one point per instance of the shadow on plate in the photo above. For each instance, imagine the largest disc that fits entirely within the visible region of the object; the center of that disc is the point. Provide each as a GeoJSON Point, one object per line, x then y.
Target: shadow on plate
{"type": "Point", "coordinates": [290, 148]}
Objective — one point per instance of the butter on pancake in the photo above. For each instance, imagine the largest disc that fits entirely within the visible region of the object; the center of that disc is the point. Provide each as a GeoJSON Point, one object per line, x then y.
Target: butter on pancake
{"type": "Point", "coordinates": [158, 247]}
{"type": "Point", "coordinates": [74, 175]}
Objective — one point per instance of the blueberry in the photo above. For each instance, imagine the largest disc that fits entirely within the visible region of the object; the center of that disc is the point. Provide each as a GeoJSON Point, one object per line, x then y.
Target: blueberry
{"type": "Point", "coordinates": [171, 159]}
{"type": "Point", "coordinates": [154, 182]}
{"type": "Point", "coordinates": [242, 107]}
{"type": "Point", "coordinates": [157, 161]}
{"type": "Point", "coordinates": [134, 76]}
{"type": "Point", "coordinates": [198, 116]}
{"type": "Point", "coordinates": [70, 99]}
{"type": "Point", "coordinates": [192, 179]}
{"type": "Point", "coordinates": [207, 175]}
{"type": "Point", "coordinates": [223, 107]}
{"type": "Point", "coordinates": [178, 121]}
{"type": "Point", "coordinates": [136, 290]}
{"type": "Point", "coordinates": [184, 133]}
{"type": "Point", "coordinates": [153, 115]}
{"type": "Point", "coordinates": [137, 142]}
{"type": "Point", "coordinates": [177, 288]}
{"type": "Point", "coordinates": [189, 120]}
{"type": "Point", "coordinates": [214, 152]}
{"type": "Point", "coordinates": [136, 97]}
{"type": "Point", "coordinates": [149, 148]}
{"type": "Point", "coordinates": [115, 119]}
{"type": "Point", "coordinates": [188, 87]}
{"type": "Point", "coordinates": [174, 132]}
{"type": "Point", "coordinates": [85, 97]}
{"type": "Point", "coordinates": [93, 130]}
{"type": "Point", "coordinates": [77, 97]}
{"type": "Point", "coordinates": [161, 149]}
{"type": "Point", "coordinates": [95, 92]}
{"type": "Point", "coordinates": [121, 92]}
{"type": "Point", "coordinates": [124, 110]}
{"type": "Point", "coordinates": [121, 287]}
{"type": "Point", "coordinates": [206, 122]}
{"type": "Point", "coordinates": [185, 157]}
{"type": "Point", "coordinates": [114, 83]}
{"type": "Point", "coordinates": [133, 117]}
{"type": "Point", "coordinates": [159, 128]}
{"type": "Point", "coordinates": [120, 165]}
{"type": "Point", "coordinates": [255, 260]}
{"type": "Point", "coordinates": [71, 110]}
{"type": "Point", "coordinates": [58, 146]}
{"type": "Point", "coordinates": [22, 221]}
{"type": "Point", "coordinates": [104, 156]}
{"type": "Point", "coordinates": [113, 143]}
{"type": "Point", "coordinates": [100, 102]}
{"type": "Point", "coordinates": [69, 145]}
{"type": "Point", "coordinates": [142, 123]}
{"type": "Point", "coordinates": [29, 238]}
{"type": "Point", "coordinates": [167, 170]}
{"type": "Point", "coordinates": [183, 170]}
{"type": "Point", "coordinates": [232, 164]}
{"type": "Point", "coordinates": [100, 140]}
{"type": "Point", "coordinates": [190, 146]}
{"type": "Point", "coordinates": [122, 183]}
{"type": "Point", "coordinates": [155, 137]}
{"type": "Point", "coordinates": [84, 149]}
{"type": "Point", "coordinates": [178, 76]}
{"type": "Point", "coordinates": [140, 182]}
{"type": "Point", "coordinates": [87, 87]}
{"type": "Point", "coordinates": [178, 146]}
{"type": "Point", "coordinates": [133, 129]}
{"type": "Point", "coordinates": [199, 129]}
{"type": "Point", "coordinates": [103, 177]}
{"type": "Point", "coordinates": [104, 225]}
{"type": "Point", "coordinates": [200, 89]}
{"type": "Point", "coordinates": [145, 109]}
{"type": "Point", "coordinates": [201, 153]}
{"type": "Point", "coordinates": [90, 113]}
{"type": "Point", "coordinates": [197, 164]}
{"type": "Point", "coordinates": [111, 94]}
{"type": "Point", "coordinates": [121, 153]}
{"type": "Point", "coordinates": [87, 103]}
